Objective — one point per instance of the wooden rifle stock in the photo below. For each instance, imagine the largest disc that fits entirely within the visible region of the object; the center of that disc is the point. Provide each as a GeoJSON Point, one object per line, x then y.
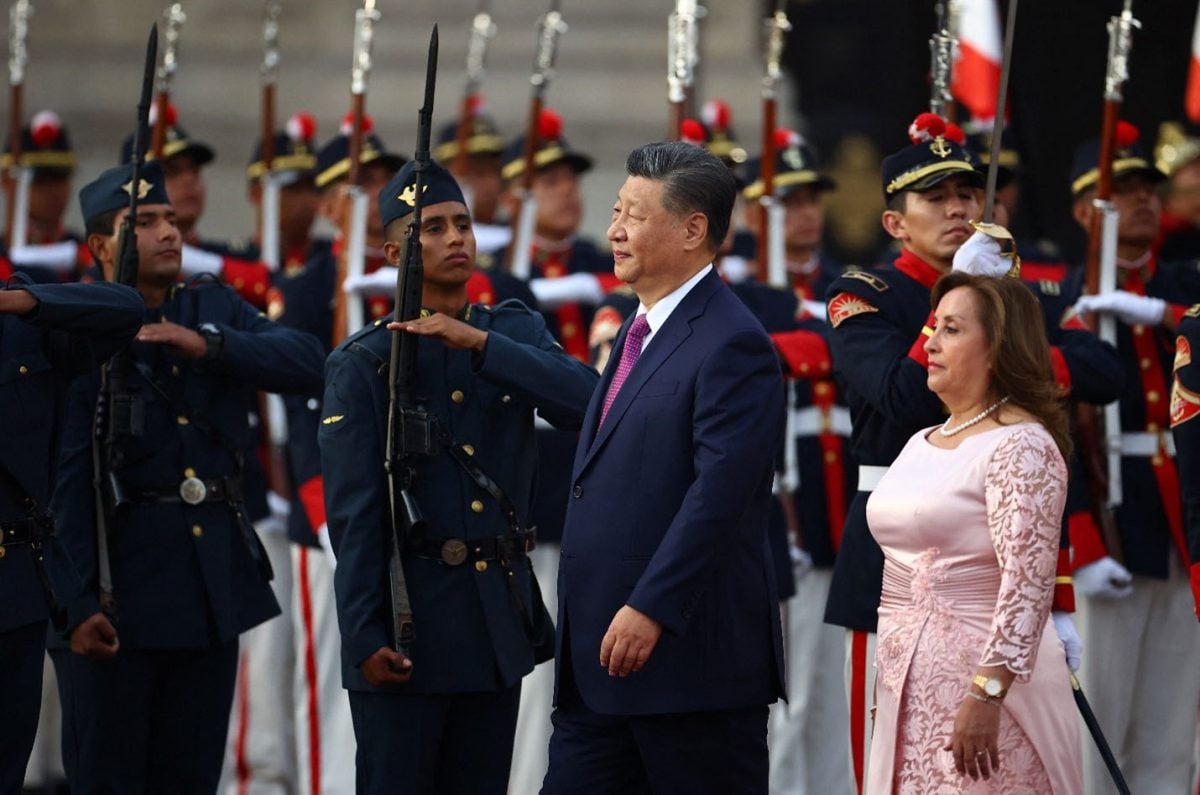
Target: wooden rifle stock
{"type": "Point", "coordinates": [768, 180]}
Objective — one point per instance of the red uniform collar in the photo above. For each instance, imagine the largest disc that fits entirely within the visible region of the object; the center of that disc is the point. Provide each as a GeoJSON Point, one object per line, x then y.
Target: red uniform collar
{"type": "Point", "coordinates": [917, 269]}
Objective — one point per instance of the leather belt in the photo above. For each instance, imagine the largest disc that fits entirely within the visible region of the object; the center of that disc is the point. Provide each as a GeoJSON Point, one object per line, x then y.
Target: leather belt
{"type": "Point", "coordinates": [1146, 444]}
{"type": "Point", "coordinates": [26, 530]}
{"type": "Point", "coordinates": [192, 491]}
{"type": "Point", "coordinates": [457, 551]}
{"type": "Point", "coordinates": [812, 420]}
{"type": "Point", "coordinates": [869, 477]}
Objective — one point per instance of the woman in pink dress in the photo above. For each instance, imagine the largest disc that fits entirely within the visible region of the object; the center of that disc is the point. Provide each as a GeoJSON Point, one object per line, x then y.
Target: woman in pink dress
{"type": "Point", "coordinates": [973, 693]}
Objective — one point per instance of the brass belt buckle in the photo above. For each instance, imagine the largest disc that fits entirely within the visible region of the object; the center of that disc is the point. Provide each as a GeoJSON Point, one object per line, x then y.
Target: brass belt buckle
{"type": "Point", "coordinates": [193, 491]}
{"type": "Point", "coordinates": [454, 552]}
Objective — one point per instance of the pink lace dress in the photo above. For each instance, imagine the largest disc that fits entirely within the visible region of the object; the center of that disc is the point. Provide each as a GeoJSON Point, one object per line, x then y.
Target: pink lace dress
{"type": "Point", "coordinates": [970, 540]}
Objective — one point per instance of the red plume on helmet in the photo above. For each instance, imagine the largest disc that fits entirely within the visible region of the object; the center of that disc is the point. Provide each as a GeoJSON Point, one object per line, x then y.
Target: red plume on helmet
{"type": "Point", "coordinates": [45, 128]}
{"type": "Point", "coordinates": [301, 127]}
{"type": "Point", "coordinates": [717, 115]}
{"type": "Point", "coordinates": [955, 133]}
{"type": "Point", "coordinates": [172, 115]}
{"type": "Point", "coordinates": [786, 138]}
{"type": "Point", "coordinates": [347, 126]}
{"type": "Point", "coordinates": [549, 126]}
{"type": "Point", "coordinates": [926, 127]}
{"type": "Point", "coordinates": [1126, 135]}
{"type": "Point", "coordinates": [692, 132]}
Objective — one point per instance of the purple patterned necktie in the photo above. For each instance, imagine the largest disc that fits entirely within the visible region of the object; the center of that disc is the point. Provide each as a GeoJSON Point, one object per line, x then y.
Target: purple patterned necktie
{"type": "Point", "coordinates": [629, 356]}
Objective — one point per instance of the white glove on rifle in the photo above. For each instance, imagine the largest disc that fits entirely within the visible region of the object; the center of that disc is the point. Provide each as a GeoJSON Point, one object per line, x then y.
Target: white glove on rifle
{"type": "Point", "coordinates": [1105, 579]}
{"type": "Point", "coordinates": [981, 256]}
{"type": "Point", "coordinates": [196, 261]}
{"type": "Point", "coordinates": [814, 308]}
{"type": "Point", "coordinates": [327, 545]}
{"type": "Point", "coordinates": [58, 257]}
{"type": "Point", "coordinates": [1069, 637]}
{"type": "Point", "coordinates": [381, 282]}
{"type": "Point", "coordinates": [574, 288]}
{"type": "Point", "coordinates": [1130, 309]}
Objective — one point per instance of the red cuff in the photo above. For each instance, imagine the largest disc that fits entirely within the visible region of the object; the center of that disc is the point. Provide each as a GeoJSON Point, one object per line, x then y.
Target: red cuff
{"type": "Point", "coordinates": [480, 289]}
{"type": "Point", "coordinates": [1086, 544]}
{"type": "Point", "coordinates": [312, 497]}
{"type": "Point", "coordinates": [249, 279]}
{"type": "Point", "coordinates": [6, 269]}
{"type": "Point", "coordinates": [917, 351]}
{"type": "Point", "coordinates": [805, 353]}
{"type": "Point", "coordinates": [1064, 590]}
{"type": "Point", "coordinates": [1177, 312]}
{"type": "Point", "coordinates": [1062, 373]}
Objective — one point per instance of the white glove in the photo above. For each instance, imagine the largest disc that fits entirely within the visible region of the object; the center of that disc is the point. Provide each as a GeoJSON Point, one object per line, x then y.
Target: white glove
{"type": "Point", "coordinates": [1072, 645]}
{"type": "Point", "coordinates": [381, 282]}
{"type": "Point", "coordinates": [802, 562]}
{"type": "Point", "coordinates": [581, 288]}
{"type": "Point", "coordinates": [981, 256]}
{"type": "Point", "coordinates": [327, 545]}
{"type": "Point", "coordinates": [196, 261]}
{"type": "Point", "coordinates": [275, 522]}
{"type": "Point", "coordinates": [814, 308]}
{"type": "Point", "coordinates": [1105, 579]}
{"type": "Point", "coordinates": [58, 257]}
{"type": "Point", "coordinates": [1130, 309]}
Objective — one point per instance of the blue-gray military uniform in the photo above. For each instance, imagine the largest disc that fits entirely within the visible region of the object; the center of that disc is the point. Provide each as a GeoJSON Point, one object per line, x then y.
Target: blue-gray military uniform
{"type": "Point", "coordinates": [480, 624]}
{"type": "Point", "coordinates": [188, 573]}
{"type": "Point", "coordinates": [73, 330]}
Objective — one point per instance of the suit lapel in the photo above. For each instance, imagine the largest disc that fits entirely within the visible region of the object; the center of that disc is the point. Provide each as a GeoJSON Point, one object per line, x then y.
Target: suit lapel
{"type": "Point", "coordinates": [592, 416]}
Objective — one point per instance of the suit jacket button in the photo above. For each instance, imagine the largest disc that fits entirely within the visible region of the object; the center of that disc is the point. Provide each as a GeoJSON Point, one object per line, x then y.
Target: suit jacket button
{"type": "Point", "coordinates": [476, 506]}
{"type": "Point", "coordinates": [577, 491]}
{"type": "Point", "coordinates": [481, 566]}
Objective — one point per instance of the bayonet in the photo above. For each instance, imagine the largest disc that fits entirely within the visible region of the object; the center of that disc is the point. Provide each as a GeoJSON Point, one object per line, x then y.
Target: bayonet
{"type": "Point", "coordinates": [682, 59]}
{"type": "Point", "coordinates": [16, 178]}
{"type": "Point", "coordinates": [941, 57]}
{"type": "Point", "coordinates": [173, 19]}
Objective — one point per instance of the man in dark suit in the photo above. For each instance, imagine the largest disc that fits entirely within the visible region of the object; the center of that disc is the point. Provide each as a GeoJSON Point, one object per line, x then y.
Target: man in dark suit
{"type": "Point", "coordinates": [666, 579]}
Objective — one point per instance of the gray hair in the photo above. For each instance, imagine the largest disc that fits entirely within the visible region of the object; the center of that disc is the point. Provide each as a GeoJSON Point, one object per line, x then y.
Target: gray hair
{"type": "Point", "coordinates": [693, 180]}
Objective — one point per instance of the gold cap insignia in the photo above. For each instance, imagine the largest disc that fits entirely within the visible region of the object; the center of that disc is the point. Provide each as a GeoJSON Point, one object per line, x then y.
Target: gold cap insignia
{"type": "Point", "coordinates": [333, 419]}
{"type": "Point", "coordinates": [143, 188]}
{"type": "Point", "coordinates": [939, 147]}
{"type": "Point", "coordinates": [409, 196]}
{"type": "Point", "coordinates": [793, 158]}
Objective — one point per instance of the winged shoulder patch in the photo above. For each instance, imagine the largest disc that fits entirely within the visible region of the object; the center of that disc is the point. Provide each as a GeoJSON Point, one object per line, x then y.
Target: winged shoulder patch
{"type": "Point", "coordinates": [333, 419]}
{"type": "Point", "coordinates": [864, 276]}
{"type": "Point", "coordinates": [1193, 312]}
{"type": "Point", "coordinates": [847, 305]}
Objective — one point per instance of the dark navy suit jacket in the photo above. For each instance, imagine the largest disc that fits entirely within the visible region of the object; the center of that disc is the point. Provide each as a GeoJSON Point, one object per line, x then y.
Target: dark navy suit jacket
{"type": "Point", "coordinates": [668, 514]}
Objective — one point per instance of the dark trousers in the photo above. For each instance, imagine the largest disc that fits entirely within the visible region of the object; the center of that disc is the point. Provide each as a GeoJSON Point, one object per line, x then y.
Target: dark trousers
{"type": "Point", "coordinates": [146, 721]}
{"type": "Point", "coordinates": [426, 744]}
{"type": "Point", "coordinates": [21, 653]}
{"type": "Point", "coordinates": [717, 751]}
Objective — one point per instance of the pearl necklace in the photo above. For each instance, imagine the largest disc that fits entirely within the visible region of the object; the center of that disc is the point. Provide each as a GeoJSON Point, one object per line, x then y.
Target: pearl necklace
{"type": "Point", "coordinates": [978, 418]}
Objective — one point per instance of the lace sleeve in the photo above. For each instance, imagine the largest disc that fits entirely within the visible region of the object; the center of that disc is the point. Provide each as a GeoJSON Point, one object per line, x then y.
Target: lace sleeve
{"type": "Point", "coordinates": [1025, 492]}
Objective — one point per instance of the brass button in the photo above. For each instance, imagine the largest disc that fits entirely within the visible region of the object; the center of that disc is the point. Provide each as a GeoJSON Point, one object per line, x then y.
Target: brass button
{"type": "Point", "coordinates": [239, 283]}
{"type": "Point", "coordinates": [505, 398]}
{"type": "Point", "coordinates": [174, 369]}
{"type": "Point", "coordinates": [189, 473]}
{"type": "Point", "coordinates": [1156, 461]}
{"type": "Point", "coordinates": [481, 566]}
{"type": "Point", "coordinates": [2, 552]}
{"type": "Point", "coordinates": [1152, 427]}
{"type": "Point", "coordinates": [260, 288]}
{"type": "Point", "coordinates": [486, 298]}
{"type": "Point", "coordinates": [830, 457]}
{"type": "Point", "coordinates": [476, 506]}
{"type": "Point", "coordinates": [569, 330]}
{"type": "Point", "coordinates": [1152, 396]}
{"type": "Point", "coordinates": [182, 420]}
{"type": "Point", "coordinates": [803, 367]}
{"type": "Point", "coordinates": [468, 449]}
{"type": "Point", "coordinates": [1145, 363]}
{"type": "Point", "coordinates": [197, 530]}
{"type": "Point", "coordinates": [821, 389]}
{"type": "Point", "coordinates": [1137, 331]}
{"type": "Point", "coordinates": [23, 370]}
{"type": "Point", "coordinates": [457, 396]}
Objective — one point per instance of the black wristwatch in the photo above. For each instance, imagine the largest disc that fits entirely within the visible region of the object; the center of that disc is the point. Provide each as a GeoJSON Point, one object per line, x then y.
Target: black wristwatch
{"type": "Point", "coordinates": [214, 340]}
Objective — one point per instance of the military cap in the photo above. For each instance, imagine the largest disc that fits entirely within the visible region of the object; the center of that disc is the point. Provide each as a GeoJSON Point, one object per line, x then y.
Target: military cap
{"type": "Point", "coordinates": [176, 141]}
{"type": "Point", "coordinates": [110, 190]}
{"type": "Point", "coordinates": [979, 143]}
{"type": "Point", "coordinates": [717, 121]}
{"type": "Point", "coordinates": [483, 137]}
{"type": "Point", "coordinates": [333, 159]}
{"type": "Point", "coordinates": [1128, 158]}
{"type": "Point", "coordinates": [1175, 149]}
{"type": "Point", "coordinates": [45, 146]}
{"type": "Point", "coordinates": [931, 158]}
{"type": "Point", "coordinates": [399, 197]}
{"type": "Point", "coordinates": [294, 156]}
{"type": "Point", "coordinates": [795, 166]}
{"type": "Point", "coordinates": [552, 148]}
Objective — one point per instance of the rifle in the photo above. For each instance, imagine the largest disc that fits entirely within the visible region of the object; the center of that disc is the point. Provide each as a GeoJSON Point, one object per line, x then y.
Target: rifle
{"type": "Point", "coordinates": [409, 427]}
{"type": "Point", "coordinates": [482, 30]}
{"type": "Point", "coordinates": [119, 411]}
{"type": "Point", "coordinates": [682, 58]}
{"type": "Point", "coordinates": [173, 19]}
{"type": "Point", "coordinates": [772, 255]}
{"type": "Point", "coordinates": [16, 178]}
{"type": "Point", "coordinates": [1100, 436]}
{"type": "Point", "coordinates": [347, 314]}
{"type": "Point", "coordinates": [941, 58]}
{"type": "Point", "coordinates": [550, 27]}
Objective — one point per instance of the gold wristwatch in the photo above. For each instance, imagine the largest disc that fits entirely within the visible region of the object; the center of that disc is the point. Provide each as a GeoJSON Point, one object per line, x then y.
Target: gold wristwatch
{"type": "Point", "coordinates": [992, 688]}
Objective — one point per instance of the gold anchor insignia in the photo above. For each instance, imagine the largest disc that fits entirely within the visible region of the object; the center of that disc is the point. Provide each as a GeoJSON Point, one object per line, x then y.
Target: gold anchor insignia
{"type": "Point", "coordinates": [939, 147]}
{"type": "Point", "coordinates": [793, 158]}
{"type": "Point", "coordinates": [143, 188]}
{"type": "Point", "coordinates": [409, 196]}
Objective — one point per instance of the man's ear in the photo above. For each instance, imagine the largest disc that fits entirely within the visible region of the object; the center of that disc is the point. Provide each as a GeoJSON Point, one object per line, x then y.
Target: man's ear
{"type": "Point", "coordinates": [1081, 209]}
{"type": "Point", "coordinates": [103, 251]}
{"type": "Point", "coordinates": [392, 251]}
{"type": "Point", "coordinates": [696, 228]}
{"type": "Point", "coordinates": [893, 224]}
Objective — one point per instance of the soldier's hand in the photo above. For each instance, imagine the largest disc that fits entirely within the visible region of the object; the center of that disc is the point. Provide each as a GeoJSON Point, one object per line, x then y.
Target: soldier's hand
{"type": "Point", "coordinates": [181, 340]}
{"type": "Point", "coordinates": [95, 638]}
{"type": "Point", "coordinates": [452, 333]}
{"type": "Point", "coordinates": [630, 639]}
{"type": "Point", "coordinates": [387, 667]}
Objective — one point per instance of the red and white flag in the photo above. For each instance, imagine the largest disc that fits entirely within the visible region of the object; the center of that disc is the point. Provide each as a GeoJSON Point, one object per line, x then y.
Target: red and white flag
{"type": "Point", "coordinates": [1191, 97]}
{"type": "Point", "coordinates": [976, 80]}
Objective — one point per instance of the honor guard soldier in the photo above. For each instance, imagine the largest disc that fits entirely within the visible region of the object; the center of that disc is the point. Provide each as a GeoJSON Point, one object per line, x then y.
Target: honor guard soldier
{"type": "Point", "coordinates": [1147, 689]}
{"type": "Point", "coordinates": [443, 719]}
{"type": "Point", "coordinates": [1178, 156]}
{"type": "Point", "coordinates": [481, 180]}
{"type": "Point", "coordinates": [172, 569]}
{"type": "Point", "coordinates": [48, 335]}
{"type": "Point", "coordinates": [183, 162]}
{"type": "Point", "coordinates": [49, 253]}
{"type": "Point", "coordinates": [1185, 428]}
{"type": "Point", "coordinates": [808, 733]}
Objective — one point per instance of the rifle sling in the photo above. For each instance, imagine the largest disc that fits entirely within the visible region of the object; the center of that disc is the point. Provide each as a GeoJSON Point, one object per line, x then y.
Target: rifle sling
{"type": "Point", "coordinates": [33, 529]}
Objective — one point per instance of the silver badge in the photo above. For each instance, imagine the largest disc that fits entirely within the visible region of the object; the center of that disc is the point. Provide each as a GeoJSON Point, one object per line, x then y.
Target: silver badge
{"type": "Point", "coordinates": [454, 552]}
{"type": "Point", "coordinates": [193, 491]}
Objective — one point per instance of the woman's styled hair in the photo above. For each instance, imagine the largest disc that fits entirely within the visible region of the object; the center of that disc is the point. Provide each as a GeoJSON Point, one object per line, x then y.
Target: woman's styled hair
{"type": "Point", "coordinates": [1018, 351]}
